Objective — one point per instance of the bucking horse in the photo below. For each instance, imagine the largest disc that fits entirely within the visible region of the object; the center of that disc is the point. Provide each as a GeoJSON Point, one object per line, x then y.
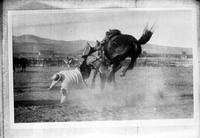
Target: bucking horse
{"type": "Point", "coordinates": [114, 49]}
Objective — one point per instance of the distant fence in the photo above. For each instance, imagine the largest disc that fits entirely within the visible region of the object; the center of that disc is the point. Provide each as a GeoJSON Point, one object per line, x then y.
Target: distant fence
{"type": "Point", "coordinates": [141, 61]}
{"type": "Point", "coordinates": [162, 61]}
{"type": "Point", "coordinates": [33, 62]}
{"type": "Point", "coordinates": [44, 62]}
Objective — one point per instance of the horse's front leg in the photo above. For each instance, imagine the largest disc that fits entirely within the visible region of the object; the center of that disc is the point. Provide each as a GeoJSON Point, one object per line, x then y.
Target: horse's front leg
{"type": "Point", "coordinates": [114, 68]}
{"type": "Point", "coordinates": [103, 80]}
{"type": "Point", "coordinates": [128, 67]}
{"type": "Point", "coordinates": [114, 81]}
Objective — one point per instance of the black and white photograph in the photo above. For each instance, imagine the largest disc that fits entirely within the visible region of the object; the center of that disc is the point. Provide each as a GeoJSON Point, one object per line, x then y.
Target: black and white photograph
{"type": "Point", "coordinates": [102, 65]}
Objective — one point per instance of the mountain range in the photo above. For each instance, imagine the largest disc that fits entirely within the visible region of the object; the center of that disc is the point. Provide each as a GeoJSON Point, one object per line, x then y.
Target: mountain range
{"type": "Point", "coordinates": [33, 44]}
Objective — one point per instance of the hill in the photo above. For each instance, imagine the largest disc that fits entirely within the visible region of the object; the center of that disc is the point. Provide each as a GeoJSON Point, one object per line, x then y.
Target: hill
{"type": "Point", "coordinates": [153, 48]}
{"type": "Point", "coordinates": [34, 44]}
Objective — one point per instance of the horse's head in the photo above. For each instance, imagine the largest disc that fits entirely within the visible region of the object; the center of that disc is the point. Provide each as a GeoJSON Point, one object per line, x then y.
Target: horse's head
{"type": "Point", "coordinates": [85, 67]}
{"type": "Point", "coordinates": [94, 51]}
{"type": "Point", "coordinates": [100, 48]}
{"type": "Point", "coordinates": [88, 50]}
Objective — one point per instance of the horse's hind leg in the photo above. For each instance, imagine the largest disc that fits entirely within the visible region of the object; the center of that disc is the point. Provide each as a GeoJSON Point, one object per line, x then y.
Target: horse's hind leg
{"type": "Point", "coordinates": [94, 78]}
{"type": "Point", "coordinates": [103, 80]}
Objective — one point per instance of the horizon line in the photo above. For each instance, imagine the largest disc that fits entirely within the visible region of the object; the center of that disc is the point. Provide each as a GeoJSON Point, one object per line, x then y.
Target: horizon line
{"type": "Point", "coordinates": [92, 40]}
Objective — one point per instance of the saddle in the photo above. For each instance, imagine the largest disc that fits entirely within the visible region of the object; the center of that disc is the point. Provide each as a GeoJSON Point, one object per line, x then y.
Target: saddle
{"type": "Point", "coordinates": [110, 34]}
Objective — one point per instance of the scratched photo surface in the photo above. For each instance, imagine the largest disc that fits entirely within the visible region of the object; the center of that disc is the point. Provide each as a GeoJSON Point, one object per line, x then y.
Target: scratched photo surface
{"type": "Point", "coordinates": [160, 85]}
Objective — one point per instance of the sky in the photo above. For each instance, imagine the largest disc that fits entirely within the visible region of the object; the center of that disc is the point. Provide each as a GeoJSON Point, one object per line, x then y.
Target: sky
{"type": "Point", "coordinates": [172, 27]}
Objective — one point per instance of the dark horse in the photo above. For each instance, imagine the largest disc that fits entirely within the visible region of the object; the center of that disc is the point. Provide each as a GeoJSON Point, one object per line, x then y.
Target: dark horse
{"type": "Point", "coordinates": [20, 62]}
{"type": "Point", "coordinates": [116, 47]}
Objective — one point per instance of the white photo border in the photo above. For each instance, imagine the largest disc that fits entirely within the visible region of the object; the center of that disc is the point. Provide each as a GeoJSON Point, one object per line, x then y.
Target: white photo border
{"type": "Point", "coordinates": [131, 123]}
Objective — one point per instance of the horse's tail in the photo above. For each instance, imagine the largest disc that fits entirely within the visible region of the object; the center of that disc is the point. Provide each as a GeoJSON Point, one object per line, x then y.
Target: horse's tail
{"type": "Point", "coordinates": [146, 36]}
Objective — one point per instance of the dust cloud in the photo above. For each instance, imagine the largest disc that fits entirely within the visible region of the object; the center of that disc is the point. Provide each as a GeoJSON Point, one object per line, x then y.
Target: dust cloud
{"type": "Point", "coordinates": [142, 96]}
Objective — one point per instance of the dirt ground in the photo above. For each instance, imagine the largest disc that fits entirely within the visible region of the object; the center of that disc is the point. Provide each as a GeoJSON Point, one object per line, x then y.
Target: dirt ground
{"type": "Point", "coordinates": [144, 93]}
